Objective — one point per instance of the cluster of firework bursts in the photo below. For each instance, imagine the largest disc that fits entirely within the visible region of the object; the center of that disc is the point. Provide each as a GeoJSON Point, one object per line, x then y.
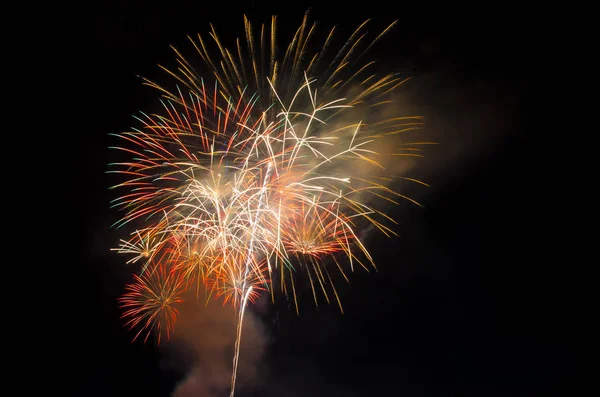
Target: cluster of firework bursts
{"type": "Point", "coordinates": [240, 183]}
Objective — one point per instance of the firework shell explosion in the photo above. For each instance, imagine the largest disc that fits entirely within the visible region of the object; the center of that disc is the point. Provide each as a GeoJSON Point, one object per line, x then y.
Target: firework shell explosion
{"type": "Point", "coordinates": [268, 166]}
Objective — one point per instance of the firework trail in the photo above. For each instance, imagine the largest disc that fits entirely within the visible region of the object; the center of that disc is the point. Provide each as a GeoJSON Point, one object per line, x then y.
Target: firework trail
{"type": "Point", "coordinates": [241, 182]}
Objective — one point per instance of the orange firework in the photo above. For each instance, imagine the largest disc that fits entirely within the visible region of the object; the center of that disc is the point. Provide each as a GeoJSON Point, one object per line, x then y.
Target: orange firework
{"type": "Point", "coordinates": [150, 301]}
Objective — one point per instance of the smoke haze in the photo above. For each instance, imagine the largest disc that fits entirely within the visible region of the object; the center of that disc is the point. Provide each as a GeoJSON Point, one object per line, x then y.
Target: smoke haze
{"type": "Point", "coordinates": [202, 346]}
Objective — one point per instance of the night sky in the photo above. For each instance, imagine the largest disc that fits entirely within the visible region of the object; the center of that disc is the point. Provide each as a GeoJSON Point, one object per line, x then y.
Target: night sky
{"type": "Point", "coordinates": [460, 305]}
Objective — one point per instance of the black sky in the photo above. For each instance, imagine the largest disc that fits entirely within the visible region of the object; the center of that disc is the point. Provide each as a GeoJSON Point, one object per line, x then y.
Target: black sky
{"type": "Point", "coordinates": [461, 305]}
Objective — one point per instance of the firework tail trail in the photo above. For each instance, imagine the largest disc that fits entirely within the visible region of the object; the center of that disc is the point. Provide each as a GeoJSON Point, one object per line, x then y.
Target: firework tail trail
{"type": "Point", "coordinates": [245, 289]}
{"type": "Point", "coordinates": [238, 339]}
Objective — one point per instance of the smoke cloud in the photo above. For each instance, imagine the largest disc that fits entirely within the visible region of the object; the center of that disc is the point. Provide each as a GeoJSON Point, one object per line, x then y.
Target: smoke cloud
{"type": "Point", "coordinates": [468, 117]}
{"type": "Point", "coordinates": [203, 346]}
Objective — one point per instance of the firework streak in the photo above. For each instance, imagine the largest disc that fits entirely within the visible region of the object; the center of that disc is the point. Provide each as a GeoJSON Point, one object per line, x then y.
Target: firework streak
{"type": "Point", "coordinates": [238, 184]}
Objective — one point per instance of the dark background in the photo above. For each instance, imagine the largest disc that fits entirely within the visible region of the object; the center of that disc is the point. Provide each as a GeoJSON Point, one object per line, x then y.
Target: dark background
{"type": "Point", "coordinates": [462, 305]}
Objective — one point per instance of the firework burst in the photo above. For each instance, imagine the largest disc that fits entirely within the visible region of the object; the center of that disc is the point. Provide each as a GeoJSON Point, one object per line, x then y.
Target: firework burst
{"type": "Point", "coordinates": [261, 172]}
{"type": "Point", "coordinates": [151, 301]}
